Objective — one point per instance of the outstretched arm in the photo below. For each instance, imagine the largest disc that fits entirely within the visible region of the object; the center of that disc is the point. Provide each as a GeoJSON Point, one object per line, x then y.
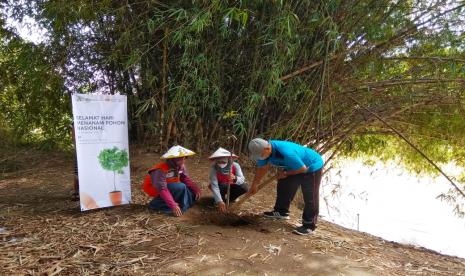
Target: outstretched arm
{"type": "Point", "coordinates": [259, 173]}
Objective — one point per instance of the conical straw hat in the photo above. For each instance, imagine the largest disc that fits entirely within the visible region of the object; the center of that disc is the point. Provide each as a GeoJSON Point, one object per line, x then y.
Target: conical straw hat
{"type": "Point", "coordinates": [177, 151]}
{"type": "Point", "coordinates": [221, 152]}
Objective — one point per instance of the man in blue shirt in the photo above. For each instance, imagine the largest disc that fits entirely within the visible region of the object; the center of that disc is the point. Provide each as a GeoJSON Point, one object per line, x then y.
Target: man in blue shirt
{"type": "Point", "coordinates": [299, 167]}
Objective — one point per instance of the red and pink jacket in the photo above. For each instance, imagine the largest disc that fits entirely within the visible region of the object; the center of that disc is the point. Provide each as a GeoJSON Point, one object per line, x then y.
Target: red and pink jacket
{"type": "Point", "coordinates": [160, 176]}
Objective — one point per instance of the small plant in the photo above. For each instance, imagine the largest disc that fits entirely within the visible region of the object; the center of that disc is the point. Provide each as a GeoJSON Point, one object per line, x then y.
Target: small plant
{"type": "Point", "coordinates": [113, 160]}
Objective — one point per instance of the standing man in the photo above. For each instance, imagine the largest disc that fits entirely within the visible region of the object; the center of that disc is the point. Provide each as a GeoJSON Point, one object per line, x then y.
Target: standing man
{"type": "Point", "coordinates": [299, 167]}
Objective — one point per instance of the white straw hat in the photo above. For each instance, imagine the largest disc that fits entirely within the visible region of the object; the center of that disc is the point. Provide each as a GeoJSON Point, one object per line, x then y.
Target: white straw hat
{"type": "Point", "coordinates": [221, 152]}
{"type": "Point", "coordinates": [177, 151]}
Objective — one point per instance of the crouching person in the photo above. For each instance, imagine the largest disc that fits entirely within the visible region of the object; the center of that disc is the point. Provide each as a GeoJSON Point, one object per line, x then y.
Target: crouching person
{"type": "Point", "coordinates": [167, 182]}
{"type": "Point", "coordinates": [226, 172]}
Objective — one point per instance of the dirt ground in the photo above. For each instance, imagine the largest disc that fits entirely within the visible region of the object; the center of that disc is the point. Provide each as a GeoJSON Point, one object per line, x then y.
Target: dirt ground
{"type": "Point", "coordinates": [42, 232]}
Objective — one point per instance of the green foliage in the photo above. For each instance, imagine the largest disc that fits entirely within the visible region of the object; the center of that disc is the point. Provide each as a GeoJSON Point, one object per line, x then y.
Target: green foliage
{"type": "Point", "coordinates": [33, 105]}
{"type": "Point", "coordinates": [194, 70]}
{"type": "Point", "coordinates": [114, 159]}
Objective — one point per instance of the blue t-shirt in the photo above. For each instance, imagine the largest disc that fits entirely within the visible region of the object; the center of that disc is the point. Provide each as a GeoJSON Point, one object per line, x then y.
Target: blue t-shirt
{"type": "Point", "coordinates": [291, 156]}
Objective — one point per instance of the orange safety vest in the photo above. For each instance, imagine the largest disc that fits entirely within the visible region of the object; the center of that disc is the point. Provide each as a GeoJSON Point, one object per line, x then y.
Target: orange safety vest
{"type": "Point", "coordinates": [224, 178]}
{"type": "Point", "coordinates": [147, 186]}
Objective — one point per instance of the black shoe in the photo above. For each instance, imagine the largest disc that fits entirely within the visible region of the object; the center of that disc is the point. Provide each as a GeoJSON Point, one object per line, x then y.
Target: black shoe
{"type": "Point", "coordinates": [276, 215]}
{"type": "Point", "coordinates": [302, 230]}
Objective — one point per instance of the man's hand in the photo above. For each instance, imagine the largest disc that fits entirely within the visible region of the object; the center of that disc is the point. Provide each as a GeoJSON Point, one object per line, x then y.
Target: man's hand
{"type": "Point", "coordinates": [259, 173]}
{"type": "Point", "coordinates": [281, 174]}
{"type": "Point", "coordinates": [222, 207]}
{"type": "Point", "coordinates": [233, 178]}
{"type": "Point", "coordinates": [177, 211]}
{"type": "Point", "coordinates": [197, 196]}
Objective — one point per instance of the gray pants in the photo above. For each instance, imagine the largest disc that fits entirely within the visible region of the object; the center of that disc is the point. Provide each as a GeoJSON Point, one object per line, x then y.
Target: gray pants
{"type": "Point", "coordinates": [310, 185]}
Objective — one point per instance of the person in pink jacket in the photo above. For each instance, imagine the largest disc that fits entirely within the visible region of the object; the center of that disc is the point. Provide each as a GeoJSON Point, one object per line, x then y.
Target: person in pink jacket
{"type": "Point", "coordinates": [172, 189]}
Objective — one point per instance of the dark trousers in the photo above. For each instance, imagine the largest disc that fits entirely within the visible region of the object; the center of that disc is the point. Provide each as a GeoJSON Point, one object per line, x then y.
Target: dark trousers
{"type": "Point", "coordinates": [236, 191]}
{"type": "Point", "coordinates": [310, 185]}
{"type": "Point", "coordinates": [181, 194]}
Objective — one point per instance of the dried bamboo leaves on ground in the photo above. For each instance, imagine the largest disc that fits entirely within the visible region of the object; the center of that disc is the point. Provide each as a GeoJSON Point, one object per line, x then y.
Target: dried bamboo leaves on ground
{"type": "Point", "coordinates": [42, 232]}
{"type": "Point", "coordinates": [107, 241]}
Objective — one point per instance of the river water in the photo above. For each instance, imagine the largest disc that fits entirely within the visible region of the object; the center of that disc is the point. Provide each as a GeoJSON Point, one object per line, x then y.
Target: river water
{"type": "Point", "coordinates": [389, 202]}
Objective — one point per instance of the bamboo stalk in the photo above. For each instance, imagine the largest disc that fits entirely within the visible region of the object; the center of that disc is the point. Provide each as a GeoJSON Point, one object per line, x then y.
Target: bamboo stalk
{"type": "Point", "coordinates": [410, 144]}
{"type": "Point", "coordinates": [163, 89]}
{"type": "Point", "coordinates": [372, 48]}
{"type": "Point", "coordinates": [441, 59]}
{"type": "Point", "coordinates": [301, 70]}
{"type": "Point", "coordinates": [246, 197]}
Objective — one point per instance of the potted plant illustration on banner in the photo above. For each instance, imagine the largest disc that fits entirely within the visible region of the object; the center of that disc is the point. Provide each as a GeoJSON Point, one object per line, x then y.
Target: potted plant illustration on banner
{"type": "Point", "coordinates": [114, 159]}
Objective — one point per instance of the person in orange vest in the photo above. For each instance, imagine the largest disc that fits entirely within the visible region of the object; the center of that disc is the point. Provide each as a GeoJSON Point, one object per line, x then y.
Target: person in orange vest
{"type": "Point", "coordinates": [173, 191]}
{"type": "Point", "coordinates": [226, 172]}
